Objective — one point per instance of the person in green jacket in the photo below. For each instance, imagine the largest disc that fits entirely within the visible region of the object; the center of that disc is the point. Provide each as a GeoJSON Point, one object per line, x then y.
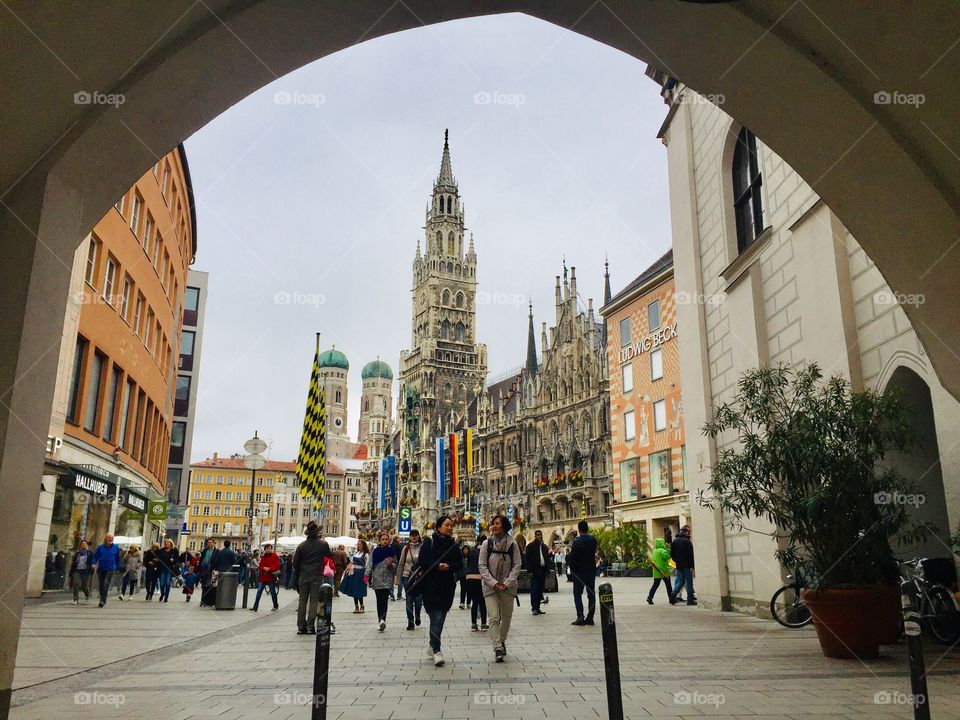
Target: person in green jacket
{"type": "Point", "coordinates": [661, 571]}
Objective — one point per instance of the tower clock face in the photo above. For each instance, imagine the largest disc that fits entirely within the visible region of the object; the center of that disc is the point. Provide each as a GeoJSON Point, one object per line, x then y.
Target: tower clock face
{"type": "Point", "coordinates": [338, 422]}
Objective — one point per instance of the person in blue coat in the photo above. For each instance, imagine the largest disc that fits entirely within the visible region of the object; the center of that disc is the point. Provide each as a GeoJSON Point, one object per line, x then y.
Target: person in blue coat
{"type": "Point", "coordinates": [106, 561]}
{"type": "Point", "coordinates": [582, 562]}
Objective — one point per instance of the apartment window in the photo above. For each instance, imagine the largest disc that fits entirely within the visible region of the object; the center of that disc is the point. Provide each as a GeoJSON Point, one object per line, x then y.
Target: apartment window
{"type": "Point", "coordinates": [122, 204]}
{"type": "Point", "coordinates": [229, 495]}
{"type": "Point", "coordinates": [206, 510]}
{"type": "Point", "coordinates": [653, 315]}
{"type": "Point", "coordinates": [629, 425]}
{"type": "Point", "coordinates": [149, 229]}
{"type": "Point", "coordinates": [196, 494]}
{"type": "Point", "coordinates": [207, 494]}
{"type": "Point", "coordinates": [660, 415]}
{"type": "Point", "coordinates": [660, 474]}
{"type": "Point", "coordinates": [747, 181]}
{"type": "Point", "coordinates": [109, 416]}
{"type": "Point", "coordinates": [259, 497]}
{"type": "Point", "coordinates": [216, 528]}
{"type": "Point", "coordinates": [138, 313]}
{"type": "Point", "coordinates": [625, 331]}
{"type": "Point", "coordinates": [93, 255]}
{"type": "Point", "coordinates": [630, 479]}
{"type": "Point", "coordinates": [148, 329]}
{"type": "Point", "coordinates": [73, 406]}
{"type": "Point", "coordinates": [218, 495]}
{"type": "Point", "coordinates": [124, 412]}
{"type": "Point", "coordinates": [230, 480]}
{"type": "Point", "coordinates": [109, 278]}
{"type": "Point", "coordinates": [219, 479]}
{"type": "Point", "coordinates": [187, 340]}
{"type": "Point", "coordinates": [165, 184]}
{"type": "Point", "coordinates": [93, 392]}
{"type": "Point", "coordinates": [627, 372]}
{"type": "Point", "coordinates": [191, 306]}
{"type": "Point", "coordinates": [656, 364]}
{"type": "Point", "coordinates": [156, 251]}
{"type": "Point", "coordinates": [181, 404]}
{"type": "Point", "coordinates": [125, 298]}
{"type": "Point", "coordinates": [135, 215]}
{"type": "Point", "coordinates": [163, 269]}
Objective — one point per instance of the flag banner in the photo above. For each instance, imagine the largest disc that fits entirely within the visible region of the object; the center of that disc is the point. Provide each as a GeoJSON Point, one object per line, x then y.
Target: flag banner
{"type": "Point", "coordinates": [583, 508]}
{"type": "Point", "coordinates": [440, 471]}
{"type": "Point", "coordinates": [382, 485]}
{"type": "Point", "coordinates": [312, 459]}
{"type": "Point", "coordinates": [392, 476]}
{"type": "Point", "coordinates": [454, 466]}
{"type": "Point", "coordinates": [468, 447]}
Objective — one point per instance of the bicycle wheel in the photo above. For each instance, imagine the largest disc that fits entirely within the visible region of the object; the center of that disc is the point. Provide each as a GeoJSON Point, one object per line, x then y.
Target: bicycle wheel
{"type": "Point", "coordinates": [943, 620]}
{"type": "Point", "coordinates": [788, 608]}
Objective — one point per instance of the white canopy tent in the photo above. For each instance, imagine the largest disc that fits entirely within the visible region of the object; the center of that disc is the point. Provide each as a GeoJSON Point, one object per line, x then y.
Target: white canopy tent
{"type": "Point", "coordinates": [290, 542]}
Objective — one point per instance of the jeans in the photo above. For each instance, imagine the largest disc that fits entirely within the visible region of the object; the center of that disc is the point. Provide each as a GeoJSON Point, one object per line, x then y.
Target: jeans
{"type": "Point", "coordinates": [81, 581]}
{"type": "Point", "coordinates": [537, 581]}
{"type": "Point", "coordinates": [656, 585]}
{"type": "Point", "coordinates": [164, 578]}
{"type": "Point", "coordinates": [464, 593]}
{"type": "Point", "coordinates": [684, 578]}
{"type": "Point", "coordinates": [478, 606]}
{"type": "Point", "coordinates": [104, 578]}
{"type": "Point", "coordinates": [273, 593]}
{"type": "Point", "coordinates": [151, 582]}
{"type": "Point", "coordinates": [578, 587]}
{"type": "Point", "coordinates": [129, 581]}
{"type": "Point", "coordinates": [413, 604]}
{"type": "Point", "coordinates": [383, 602]}
{"type": "Point", "coordinates": [436, 627]}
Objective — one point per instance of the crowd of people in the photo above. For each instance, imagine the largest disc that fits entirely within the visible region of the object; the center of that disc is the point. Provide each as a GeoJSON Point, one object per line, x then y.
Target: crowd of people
{"type": "Point", "coordinates": [422, 572]}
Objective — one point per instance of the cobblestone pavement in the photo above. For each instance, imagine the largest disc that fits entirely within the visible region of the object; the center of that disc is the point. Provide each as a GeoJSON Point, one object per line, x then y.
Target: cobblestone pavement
{"type": "Point", "coordinates": [179, 661]}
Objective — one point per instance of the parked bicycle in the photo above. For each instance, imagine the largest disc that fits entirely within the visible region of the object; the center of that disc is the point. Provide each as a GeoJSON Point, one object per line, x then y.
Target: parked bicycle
{"type": "Point", "coordinates": [787, 606]}
{"type": "Point", "coordinates": [938, 611]}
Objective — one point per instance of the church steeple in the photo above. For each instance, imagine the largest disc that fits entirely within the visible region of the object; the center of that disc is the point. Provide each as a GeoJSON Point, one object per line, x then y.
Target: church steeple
{"type": "Point", "coordinates": [445, 180]}
{"type": "Point", "coordinates": [606, 281]}
{"type": "Point", "coordinates": [531, 348]}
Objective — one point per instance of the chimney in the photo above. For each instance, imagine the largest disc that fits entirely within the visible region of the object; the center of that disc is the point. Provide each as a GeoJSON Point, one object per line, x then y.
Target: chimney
{"type": "Point", "coordinates": [214, 457]}
{"type": "Point", "coordinates": [573, 284]}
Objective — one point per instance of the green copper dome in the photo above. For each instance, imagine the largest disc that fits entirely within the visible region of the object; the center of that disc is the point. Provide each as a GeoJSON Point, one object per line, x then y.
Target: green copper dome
{"type": "Point", "coordinates": [334, 358]}
{"type": "Point", "coordinates": [377, 369]}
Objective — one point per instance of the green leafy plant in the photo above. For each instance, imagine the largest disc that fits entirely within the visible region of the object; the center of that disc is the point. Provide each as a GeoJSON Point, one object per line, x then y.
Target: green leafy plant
{"type": "Point", "coordinates": [810, 461]}
{"type": "Point", "coordinates": [627, 543]}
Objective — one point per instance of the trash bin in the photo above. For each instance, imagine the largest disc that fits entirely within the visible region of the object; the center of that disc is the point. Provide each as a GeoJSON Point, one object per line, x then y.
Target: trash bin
{"type": "Point", "coordinates": [227, 590]}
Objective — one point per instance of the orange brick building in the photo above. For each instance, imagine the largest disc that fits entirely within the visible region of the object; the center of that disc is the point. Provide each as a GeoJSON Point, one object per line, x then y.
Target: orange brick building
{"type": "Point", "coordinates": [646, 403]}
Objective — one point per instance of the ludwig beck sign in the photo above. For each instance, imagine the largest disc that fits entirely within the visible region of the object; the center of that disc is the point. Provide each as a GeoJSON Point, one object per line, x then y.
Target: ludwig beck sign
{"type": "Point", "coordinates": [650, 342]}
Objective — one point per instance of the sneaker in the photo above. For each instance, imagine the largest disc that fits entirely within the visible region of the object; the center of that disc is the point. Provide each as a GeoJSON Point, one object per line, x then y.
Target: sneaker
{"type": "Point", "coordinates": [691, 602]}
{"type": "Point", "coordinates": [649, 601]}
{"type": "Point", "coordinates": [484, 627]}
{"type": "Point", "coordinates": [253, 610]}
{"type": "Point", "coordinates": [462, 606]}
{"type": "Point", "coordinates": [409, 625]}
{"type": "Point", "coordinates": [100, 604]}
{"type": "Point", "coordinates": [538, 611]}
{"type": "Point", "coordinates": [383, 625]}
{"type": "Point", "coordinates": [430, 653]}
{"type": "Point", "coordinates": [273, 609]}
{"type": "Point", "coordinates": [417, 621]}
{"type": "Point", "coordinates": [120, 597]}
{"type": "Point", "coordinates": [333, 629]}
{"type": "Point", "coordinates": [76, 602]}
{"type": "Point", "coordinates": [302, 631]}
{"type": "Point", "coordinates": [438, 659]}
{"type": "Point", "coordinates": [311, 631]}
{"type": "Point", "coordinates": [474, 628]}
{"type": "Point", "coordinates": [498, 654]}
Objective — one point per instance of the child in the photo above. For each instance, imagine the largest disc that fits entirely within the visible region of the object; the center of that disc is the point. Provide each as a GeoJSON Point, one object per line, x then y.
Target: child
{"type": "Point", "coordinates": [190, 579]}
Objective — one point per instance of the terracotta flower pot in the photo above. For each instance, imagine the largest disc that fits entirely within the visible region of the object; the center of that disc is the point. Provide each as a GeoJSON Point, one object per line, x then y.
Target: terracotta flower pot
{"type": "Point", "coordinates": [846, 620]}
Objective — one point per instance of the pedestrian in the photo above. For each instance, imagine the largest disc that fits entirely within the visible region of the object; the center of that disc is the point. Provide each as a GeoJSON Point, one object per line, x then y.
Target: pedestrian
{"type": "Point", "coordinates": [558, 558]}
{"type": "Point", "coordinates": [168, 564]}
{"type": "Point", "coordinates": [340, 562]}
{"type": "Point", "coordinates": [408, 560]}
{"type": "Point", "coordinates": [383, 563]}
{"type": "Point", "coordinates": [661, 571]}
{"type": "Point", "coordinates": [132, 563]}
{"type": "Point", "coordinates": [190, 579]}
{"type": "Point", "coordinates": [308, 563]}
{"type": "Point", "coordinates": [462, 579]}
{"type": "Point", "coordinates": [106, 561]}
{"type": "Point", "coordinates": [538, 563]}
{"type": "Point", "coordinates": [582, 566]}
{"type": "Point", "coordinates": [681, 550]}
{"type": "Point", "coordinates": [396, 544]}
{"type": "Point", "coordinates": [357, 576]}
{"type": "Point", "coordinates": [268, 576]}
{"type": "Point", "coordinates": [207, 568]}
{"type": "Point", "coordinates": [478, 606]}
{"type": "Point", "coordinates": [81, 568]}
{"type": "Point", "coordinates": [500, 563]}
{"type": "Point", "coordinates": [151, 569]}
{"type": "Point", "coordinates": [440, 559]}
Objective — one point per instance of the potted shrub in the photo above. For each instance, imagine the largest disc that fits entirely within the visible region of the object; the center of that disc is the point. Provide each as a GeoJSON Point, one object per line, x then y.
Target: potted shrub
{"type": "Point", "coordinates": [810, 461]}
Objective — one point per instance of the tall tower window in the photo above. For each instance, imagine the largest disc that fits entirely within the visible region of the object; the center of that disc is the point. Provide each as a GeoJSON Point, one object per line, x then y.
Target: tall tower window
{"type": "Point", "coordinates": [445, 329]}
{"type": "Point", "coordinates": [450, 244]}
{"type": "Point", "coordinates": [339, 396]}
{"type": "Point", "coordinates": [449, 204]}
{"type": "Point", "coordinates": [460, 331]}
{"type": "Point", "coordinates": [459, 299]}
{"type": "Point", "coordinates": [445, 297]}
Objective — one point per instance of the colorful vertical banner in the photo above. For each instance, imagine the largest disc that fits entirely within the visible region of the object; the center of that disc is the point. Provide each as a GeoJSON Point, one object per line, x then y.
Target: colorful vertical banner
{"type": "Point", "coordinates": [312, 459]}
{"type": "Point", "coordinates": [468, 447]}
{"type": "Point", "coordinates": [382, 485]}
{"type": "Point", "coordinates": [440, 474]}
{"type": "Point", "coordinates": [583, 509]}
{"type": "Point", "coordinates": [454, 466]}
{"type": "Point", "coordinates": [392, 480]}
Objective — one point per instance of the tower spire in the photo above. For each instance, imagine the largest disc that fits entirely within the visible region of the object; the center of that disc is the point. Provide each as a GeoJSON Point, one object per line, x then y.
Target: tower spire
{"type": "Point", "coordinates": [606, 280]}
{"type": "Point", "coordinates": [531, 347]}
{"type": "Point", "coordinates": [445, 179]}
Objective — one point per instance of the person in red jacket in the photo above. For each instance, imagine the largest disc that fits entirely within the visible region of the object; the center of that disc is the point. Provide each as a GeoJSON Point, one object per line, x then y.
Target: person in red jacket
{"type": "Point", "coordinates": [269, 576]}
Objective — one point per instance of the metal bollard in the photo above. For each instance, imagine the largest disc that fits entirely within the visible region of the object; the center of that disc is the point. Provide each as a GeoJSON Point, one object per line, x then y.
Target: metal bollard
{"type": "Point", "coordinates": [611, 657]}
{"type": "Point", "coordinates": [321, 657]}
{"type": "Point", "coordinates": [918, 670]}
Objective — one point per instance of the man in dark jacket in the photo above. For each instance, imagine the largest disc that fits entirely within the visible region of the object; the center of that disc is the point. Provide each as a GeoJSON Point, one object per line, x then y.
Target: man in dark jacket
{"type": "Point", "coordinates": [537, 560]}
{"type": "Point", "coordinates": [225, 558]}
{"type": "Point", "coordinates": [308, 562]}
{"type": "Point", "coordinates": [582, 562]}
{"type": "Point", "coordinates": [681, 552]}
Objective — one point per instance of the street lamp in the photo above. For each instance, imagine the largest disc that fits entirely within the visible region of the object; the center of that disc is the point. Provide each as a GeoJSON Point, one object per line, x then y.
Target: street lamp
{"type": "Point", "coordinates": [254, 461]}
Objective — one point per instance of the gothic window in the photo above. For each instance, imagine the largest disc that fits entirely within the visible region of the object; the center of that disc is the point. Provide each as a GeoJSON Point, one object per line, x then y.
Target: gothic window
{"type": "Point", "coordinates": [449, 204]}
{"type": "Point", "coordinates": [459, 299]}
{"type": "Point", "coordinates": [339, 397]}
{"type": "Point", "coordinates": [439, 242]}
{"type": "Point", "coordinates": [587, 430]}
{"type": "Point", "coordinates": [458, 269]}
{"type": "Point", "coordinates": [445, 298]}
{"type": "Point", "coordinates": [554, 433]}
{"type": "Point", "coordinates": [460, 331]}
{"type": "Point", "coordinates": [366, 405]}
{"type": "Point", "coordinates": [450, 267]}
{"type": "Point", "coordinates": [445, 329]}
{"type": "Point", "coordinates": [747, 180]}
{"type": "Point", "coordinates": [462, 392]}
{"type": "Point", "coordinates": [450, 246]}
{"type": "Point", "coordinates": [571, 433]}
{"type": "Point", "coordinates": [447, 391]}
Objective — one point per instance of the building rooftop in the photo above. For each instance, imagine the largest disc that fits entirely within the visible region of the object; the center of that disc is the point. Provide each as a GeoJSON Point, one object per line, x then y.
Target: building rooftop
{"type": "Point", "coordinates": [663, 263]}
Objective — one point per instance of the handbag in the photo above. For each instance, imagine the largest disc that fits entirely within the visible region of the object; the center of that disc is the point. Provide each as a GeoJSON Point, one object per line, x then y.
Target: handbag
{"type": "Point", "coordinates": [328, 571]}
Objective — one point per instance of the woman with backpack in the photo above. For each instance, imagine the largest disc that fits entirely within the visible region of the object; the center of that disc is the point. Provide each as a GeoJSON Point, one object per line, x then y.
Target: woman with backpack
{"type": "Point", "coordinates": [500, 562]}
{"type": "Point", "coordinates": [435, 577]}
{"type": "Point", "coordinates": [355, 581]}
{"type": "Point", "coordinates": [381, 577]}
{"type": "Point", "coordinates": [475, 587]}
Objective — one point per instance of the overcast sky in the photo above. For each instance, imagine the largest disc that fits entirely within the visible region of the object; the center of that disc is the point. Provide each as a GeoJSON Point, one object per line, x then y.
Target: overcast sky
{"type": "Point", "coordinates": [311, 195]}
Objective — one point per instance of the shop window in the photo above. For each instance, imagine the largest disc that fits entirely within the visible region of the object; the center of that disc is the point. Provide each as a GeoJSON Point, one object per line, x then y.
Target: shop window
{"type": "Point", "coordinates": [656, 364]}
{"type": "Point", "coordinates": [627, 374]}
{"type": "Point", "coordinates": [660, 474]}
{"type": "Point", "coordinates": [629, 425]}
{"type": "Point", "coordinates": [660, 415]}
{"type": "Point", "coordinates": [629, 479]}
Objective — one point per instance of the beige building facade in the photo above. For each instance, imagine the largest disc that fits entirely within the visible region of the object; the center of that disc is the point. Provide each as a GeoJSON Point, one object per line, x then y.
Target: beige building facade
{"type": "Point", "coordinates": [775, 277]}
